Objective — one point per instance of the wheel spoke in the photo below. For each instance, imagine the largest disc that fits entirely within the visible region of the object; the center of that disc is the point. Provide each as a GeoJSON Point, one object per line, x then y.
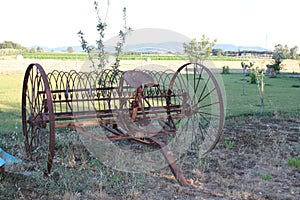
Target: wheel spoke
{"type": "Point", "coordinates": [203, 90]}
{"type": "Point", "coordinates": [204, 104]}
{"type": "Point", "coordinates": [207, 105]}
{"type": "Point", "coordinates": [35, 129]}
{"type": "Point", "coordinates": [203, 131]}
{"type": "Point", "coordinates": [198, 82]}
{"type": "Point", "coordinates": [206, 95]}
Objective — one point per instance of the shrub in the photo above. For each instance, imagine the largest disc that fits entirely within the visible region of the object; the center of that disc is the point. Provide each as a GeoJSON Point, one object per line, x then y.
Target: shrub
{"type": "Point", "coordinates": [253, 77]}
{"type": "Point", "coordinates": [295, 162]}
{"type": "Point", "coordinates": [266, 177]}
{"type": "Point", "coordinates": [225, 70]}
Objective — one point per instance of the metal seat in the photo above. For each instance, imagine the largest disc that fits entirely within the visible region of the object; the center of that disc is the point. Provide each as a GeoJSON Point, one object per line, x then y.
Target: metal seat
{"type": "Point", "coordinates": [136, 78]}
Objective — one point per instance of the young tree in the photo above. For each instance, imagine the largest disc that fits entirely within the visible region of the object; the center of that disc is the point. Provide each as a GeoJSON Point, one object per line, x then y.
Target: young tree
{"type": "Point", "coordinates": [39, 49]}
{"type": "Point", "coordinates": [122, 35]}
{"type": "Point", "coordinates": [101, 26]}
{"type": "Point", "coordinates": [217, 52]}
{"type": "Point", "coordinates": [70, 50]}
{"type": "Point", "coordinates": [279, 54]}
{"type": "Point", "coordinates": [32, 50]}
{"type": "Point", "coordinates": [245, 67]}
{"type": "Point", "coordinates": [199, 51]}
{"type": "Point", "coordinates": [293, 52]}
{"type": "Point", "coordinates": [261, 87]}
{"type": "Point", "coordinates": [286, 52]}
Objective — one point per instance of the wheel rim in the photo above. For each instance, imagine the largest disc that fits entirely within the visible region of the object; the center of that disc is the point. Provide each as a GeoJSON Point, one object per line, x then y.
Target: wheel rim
{"type": "Point", "coordinates": [195, 86]}
{"type": "Point", "coordinates": [38, 118]}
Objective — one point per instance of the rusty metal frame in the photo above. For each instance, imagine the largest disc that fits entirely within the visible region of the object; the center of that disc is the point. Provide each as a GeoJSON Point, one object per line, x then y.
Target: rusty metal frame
{"type": "Point", "coordinates": [78, 99]}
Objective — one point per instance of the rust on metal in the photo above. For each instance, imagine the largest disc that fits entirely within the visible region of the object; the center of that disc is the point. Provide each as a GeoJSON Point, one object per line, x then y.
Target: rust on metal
{"type": "Point", "coordinates": [137, 78]}
{"type": "Point", "coordinates": [189, 100]}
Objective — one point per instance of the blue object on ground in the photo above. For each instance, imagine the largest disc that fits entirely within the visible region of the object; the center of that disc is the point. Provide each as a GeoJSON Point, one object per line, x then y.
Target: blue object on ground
{"type": "Point", "coordinates": [2, 162]}
{"type": "Point", "coordinates": [8, 159]}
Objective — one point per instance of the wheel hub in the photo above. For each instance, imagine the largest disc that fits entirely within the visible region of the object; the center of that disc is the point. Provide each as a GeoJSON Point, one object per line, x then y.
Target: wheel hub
{"type": "Point", "coordinates": [39, 120]}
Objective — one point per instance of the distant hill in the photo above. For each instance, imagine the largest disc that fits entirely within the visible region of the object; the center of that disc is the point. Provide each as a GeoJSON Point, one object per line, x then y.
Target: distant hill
{"type": "Point", "coordinates": [154, 40]}
{"type": "Point", "coordinates": [58, 49]}
{"type": "Point", "coordinates": [164, 47]}
{"type": "Point", "coordinates": [161, 41]}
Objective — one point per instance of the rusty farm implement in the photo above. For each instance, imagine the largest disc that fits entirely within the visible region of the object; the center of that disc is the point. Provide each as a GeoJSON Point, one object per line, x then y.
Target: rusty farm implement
{"type": "Point", "coordinates": [169, 111]}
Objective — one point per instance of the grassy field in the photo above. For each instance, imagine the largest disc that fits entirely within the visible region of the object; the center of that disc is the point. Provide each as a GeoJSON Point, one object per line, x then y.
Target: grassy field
{"type": "Point", "coordinates": [282, 94]}
{"type": "Point", "coordinates": [10, 102]}
{"type": "Point", "coordinates": [135, 56]}
{"type": "Point", "coordinates": [54, 55]}
{"type": "Point", "coordinates": [94, 180]}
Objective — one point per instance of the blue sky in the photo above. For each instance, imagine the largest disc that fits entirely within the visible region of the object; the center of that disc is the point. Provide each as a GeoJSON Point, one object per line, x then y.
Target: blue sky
{"type": "Point", "coordinates": [241, 22]}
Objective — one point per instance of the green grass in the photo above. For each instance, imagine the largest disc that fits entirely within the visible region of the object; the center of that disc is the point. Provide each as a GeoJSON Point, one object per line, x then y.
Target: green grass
{"type": "Point", "coordinates": [134, 56]}
{"type": "Point", "coordinates": [229, 144]}
{"type": "Point", "coordinates": [90, 175]}
{"type": "Point", "coordinates": [266, 177]}
{"type": "Point", "coordinates": [54, 55]}
{"type": "Point", "coordinates": [280, 95]}
{"type": "Point", "coordinates": [10, 102]}
{"type": "Point", "coordinates": [295, 162]}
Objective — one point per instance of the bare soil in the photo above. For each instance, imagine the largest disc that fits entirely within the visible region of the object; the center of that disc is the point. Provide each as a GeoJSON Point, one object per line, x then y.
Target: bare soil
{"type": "Point", "coordinates": [254, 167]}
{"type": "Point", "coordinates": [249, 162]}
{"type": "Point", "coordinates": [19, 66]}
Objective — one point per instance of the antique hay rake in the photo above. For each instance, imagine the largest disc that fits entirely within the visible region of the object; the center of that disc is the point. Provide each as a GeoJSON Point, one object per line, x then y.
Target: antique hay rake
{"type": "Point", "coordinates": [148, 107]}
